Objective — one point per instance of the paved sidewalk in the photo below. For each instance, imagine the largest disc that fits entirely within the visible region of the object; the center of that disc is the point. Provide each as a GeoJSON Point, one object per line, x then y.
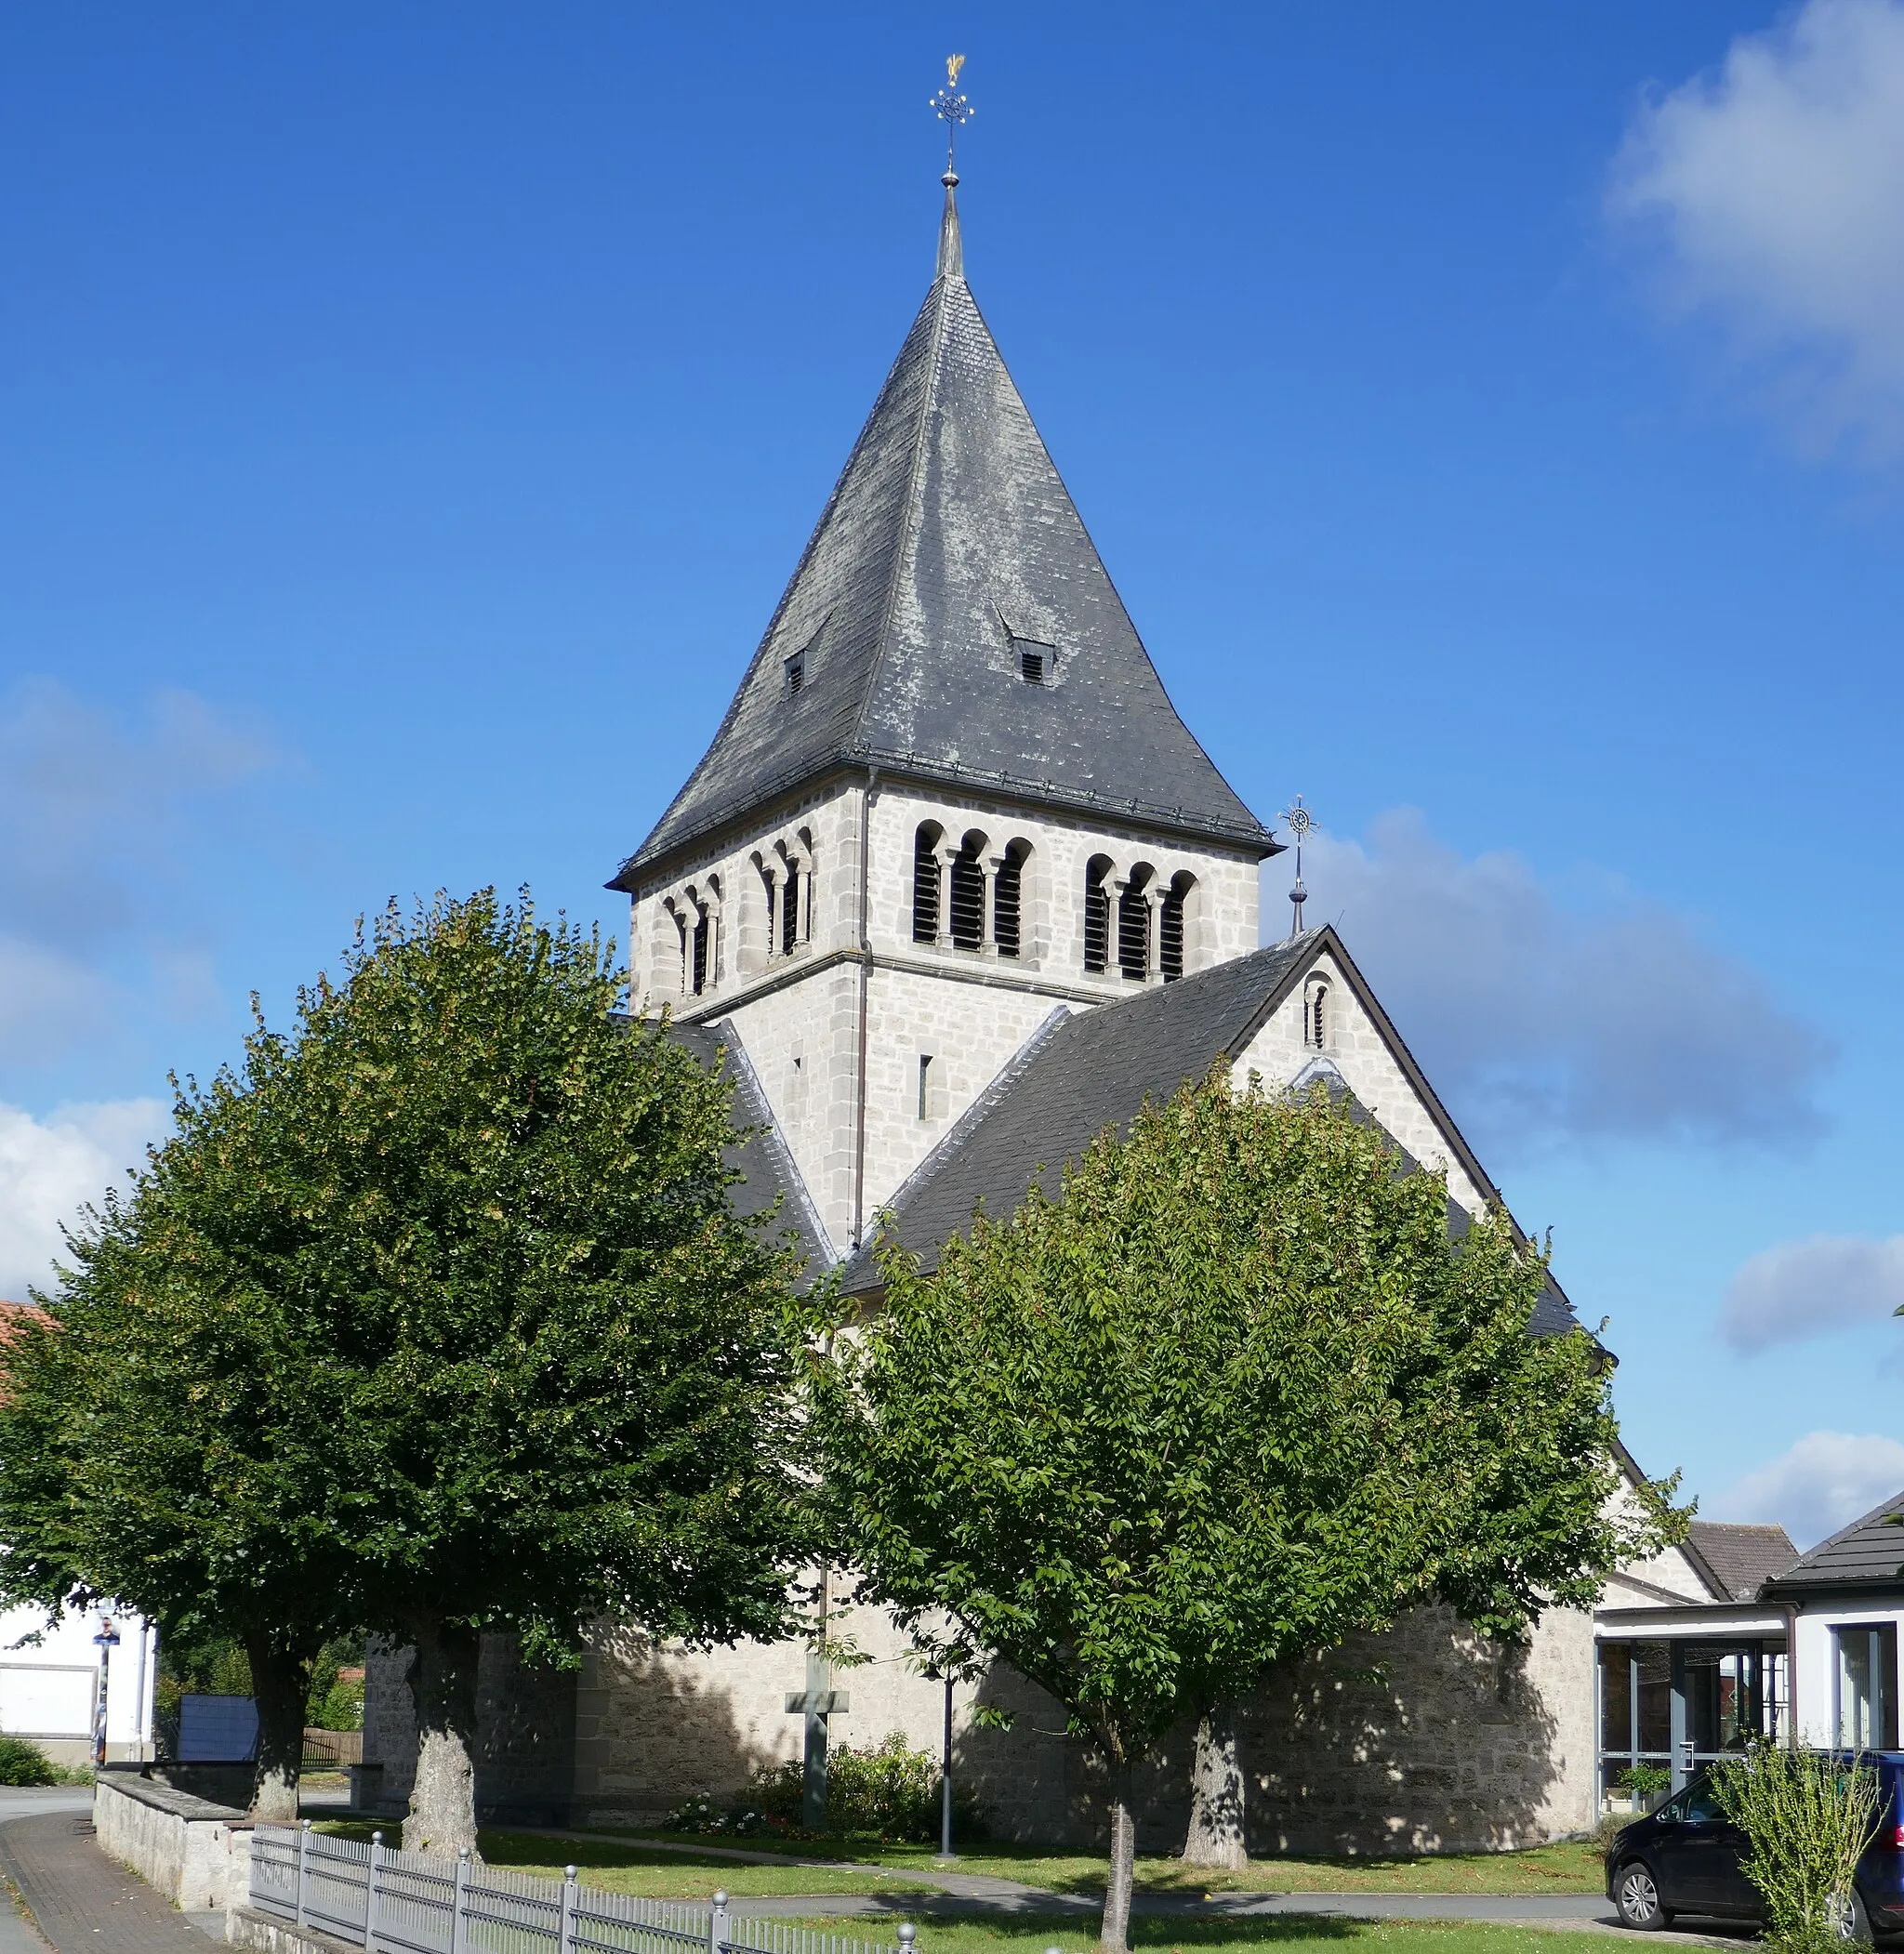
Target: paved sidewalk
{"type": "Point", "coordinates": [77, 1897]}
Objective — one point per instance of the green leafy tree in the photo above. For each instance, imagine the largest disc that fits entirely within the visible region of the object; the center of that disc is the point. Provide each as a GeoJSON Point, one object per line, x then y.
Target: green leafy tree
{"type": "Point", "coordinates": [1809, 1816]}
{"type": "Point", "coordinates": [1234, 1395]}
{"type": "Point", "coordinates": [480, 1226]}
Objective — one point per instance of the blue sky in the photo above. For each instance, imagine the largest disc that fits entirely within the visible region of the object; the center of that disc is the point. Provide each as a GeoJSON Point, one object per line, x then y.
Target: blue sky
{"type": "Point", "coordinates": [1493, 416]}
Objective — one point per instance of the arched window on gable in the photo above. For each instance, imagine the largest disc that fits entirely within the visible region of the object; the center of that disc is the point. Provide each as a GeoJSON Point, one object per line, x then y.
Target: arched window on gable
{"type": "Point", "coordinates": [1097, 913]}
{"type": "Point", "coordinates": [1133, 926]}
{"type": "Point", "coordinates": [1008, 899]}
{"type": "Point", "coordinates": [925, 882]}
{"type": "Point", "coordinates": [968, 893]}
{"type": "Point", "coordinates": [1169, 927]}
{"type": "Point", "coordinates": [703, 934]}
{"type": "Point", "coordinates": [1318, 1017]}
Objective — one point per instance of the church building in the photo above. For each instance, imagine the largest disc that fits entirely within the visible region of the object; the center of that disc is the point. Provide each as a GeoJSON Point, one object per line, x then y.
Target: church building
{"type": "Point", "coordinates": [952, 889]}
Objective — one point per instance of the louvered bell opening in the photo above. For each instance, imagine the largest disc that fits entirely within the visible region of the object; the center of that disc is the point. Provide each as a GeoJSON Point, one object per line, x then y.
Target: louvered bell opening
{"type": "Point", "coordinates": [925, 890]}
{"type": "Point", "coordinates": [789, 912]}
{"type": "Point", "coordinates": [1133, 933]}
{"type": "Point", "coordinates": [796, 672]}
{"type": "Point", "coordinates": [1005, 900]}
{"type": "Point", "coordinates": [1169, 937]}
{"type": "Point", "coordinates": [700, 957]}
{"type": "Point", "coordinates": [1097, 926]}
{"type": "Point", "coordinates": [1031, 663]}
{"type": "Point", "coordinates": [968, 903]}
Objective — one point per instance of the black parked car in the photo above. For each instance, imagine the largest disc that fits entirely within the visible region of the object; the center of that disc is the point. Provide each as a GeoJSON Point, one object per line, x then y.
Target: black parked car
{"type": "Point", "coordinates": [1685, 1857]}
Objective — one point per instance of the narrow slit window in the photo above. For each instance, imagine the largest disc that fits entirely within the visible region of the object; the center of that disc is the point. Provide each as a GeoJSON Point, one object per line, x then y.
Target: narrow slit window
{"type": "Point", "coordinates": [789, 912]}
{"type": "Point", "coordinates": [795, 673]}
{"type": "Point", "coordinates": [968, 900]}
{"type": "Point", "coordinates": [925, 1085]}
{"type": "Point", "coordinates": [925, 887]}
{"type": "Point", "coordinates": [1169, 934]}
{"type": "Point", "coordinates": [1097, 918]}
{"type": "Point", "coordinates": [1007, 900]}
{"type": "Point", "coordinates": [1133, 933]}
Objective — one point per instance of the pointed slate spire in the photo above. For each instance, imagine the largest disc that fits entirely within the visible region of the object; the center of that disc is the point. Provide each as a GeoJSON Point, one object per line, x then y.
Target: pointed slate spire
{"type": "Point", "coordinates": [952, 622]}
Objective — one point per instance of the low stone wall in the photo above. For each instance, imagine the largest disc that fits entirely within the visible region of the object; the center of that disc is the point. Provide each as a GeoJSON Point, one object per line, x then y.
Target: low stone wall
{"type": "Point", "coordinates": [246, 1928]}
{"type": "Point", "coordinates": [195, 1853]}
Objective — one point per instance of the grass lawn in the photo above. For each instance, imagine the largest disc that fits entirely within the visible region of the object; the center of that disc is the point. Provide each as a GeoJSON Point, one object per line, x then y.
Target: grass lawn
{"type": "Point", "coordinates": [1574, 1867]}
{"type": "Point", "coordinates": [685, 1875]}
{"type": "Point", "coordinates": [1286, 1934]}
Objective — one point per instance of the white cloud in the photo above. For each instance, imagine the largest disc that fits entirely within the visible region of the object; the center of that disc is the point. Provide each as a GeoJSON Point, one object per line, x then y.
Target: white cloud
{"type": "Point", "coordinates": [1826, 1481]}
{"type": "Point", "coordinates": [97, 818]}
{"type": "Point", "coordinates": [1773, 189]}
{"type": "Point", "coordinates": [51, 1167]}
{"type": "Point", "coordinates": [1809, 1288]}
{"type": "Point", "coordinates": [1541, 1024]}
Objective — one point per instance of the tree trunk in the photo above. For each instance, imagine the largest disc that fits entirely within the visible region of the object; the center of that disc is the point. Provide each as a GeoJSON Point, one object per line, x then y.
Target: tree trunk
{"type": "Point", "coordinates": [1115, 1935]}
{"type": "Point", "coordinates": [1215, 1837]}
{"type": "Point", "coordinates": [442, 1685]}
{"type": "Point", "coordinates": [280, 1682]}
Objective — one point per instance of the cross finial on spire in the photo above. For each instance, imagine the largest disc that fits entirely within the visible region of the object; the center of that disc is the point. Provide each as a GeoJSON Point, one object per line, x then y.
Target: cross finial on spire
{"type": "Point", "coordinates": [954, 111]}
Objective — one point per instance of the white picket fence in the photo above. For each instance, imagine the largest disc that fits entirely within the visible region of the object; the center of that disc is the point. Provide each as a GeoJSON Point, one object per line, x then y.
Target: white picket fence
{"type": "Point", "coordinates": [390, 1901]}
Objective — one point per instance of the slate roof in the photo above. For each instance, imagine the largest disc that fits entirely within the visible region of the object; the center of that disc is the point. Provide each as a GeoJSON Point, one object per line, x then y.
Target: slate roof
{"type": "Point", "coordinates": [1742, 1559]}
{"type": "Point", "coordinates": [1077, 1075]}
{"type": "Point", "coordinates": [762, 1158]}
{"type": "Point", "coordinates": [947, 540]}
{"type": "Point", "coordinates": [1868, 1554]}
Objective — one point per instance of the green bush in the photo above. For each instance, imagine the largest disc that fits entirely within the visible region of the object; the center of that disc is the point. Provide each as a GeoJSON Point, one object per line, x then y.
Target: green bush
{"type": "Point", "coordinates": [1647, 1784]}
{"type": "Point", "coordinates": [892, 1792]}
{"type": "Point", "coordinates": [1810, 1817]}
{"type": "Point", "coordinates": [24, 1764]}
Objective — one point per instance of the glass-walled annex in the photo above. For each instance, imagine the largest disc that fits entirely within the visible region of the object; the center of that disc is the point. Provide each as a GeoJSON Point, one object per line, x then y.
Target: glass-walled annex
{"type": "Point", "coordinates": [1667, 1705]}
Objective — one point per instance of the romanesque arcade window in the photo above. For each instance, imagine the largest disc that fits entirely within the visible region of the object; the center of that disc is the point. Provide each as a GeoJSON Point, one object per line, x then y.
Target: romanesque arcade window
{"type": "Point", "coordinates": [1097, 913]}
{"type": "Point", "coordinates": [925, 884]}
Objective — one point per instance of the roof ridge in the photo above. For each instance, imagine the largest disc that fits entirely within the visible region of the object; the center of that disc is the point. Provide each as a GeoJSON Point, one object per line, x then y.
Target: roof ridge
{"type": "Point", "coordinates": [936, 298]}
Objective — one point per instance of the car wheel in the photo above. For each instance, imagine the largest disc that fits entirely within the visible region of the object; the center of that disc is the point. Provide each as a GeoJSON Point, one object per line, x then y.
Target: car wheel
{"type": "Point", "coordinates": [1849, 1920]}
{"type": "Point", "coordinates": [1637, 1898]}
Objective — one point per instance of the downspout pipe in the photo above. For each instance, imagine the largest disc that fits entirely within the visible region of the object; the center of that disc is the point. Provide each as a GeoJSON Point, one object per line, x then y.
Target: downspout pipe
{"type": "Point", "coordinates": [867, 795]}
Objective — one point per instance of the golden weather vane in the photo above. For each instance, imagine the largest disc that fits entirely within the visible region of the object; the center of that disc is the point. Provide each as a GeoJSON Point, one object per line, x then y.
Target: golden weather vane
{"type": "Point", "coordinates": [953, 110]}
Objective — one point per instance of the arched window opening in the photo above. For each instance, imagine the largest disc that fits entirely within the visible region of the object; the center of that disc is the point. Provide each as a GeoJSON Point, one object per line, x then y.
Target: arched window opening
{"type": "Point", "coordinates": [684, 967]}
{"type": "Point", "coordinates": [969, 894]}
{"type": "Point", "coordinates": [790, 910]}
{"type": "Point", "coordinates": [925, 884]}
{"type": "Point", "coordinates": [1097, 914]}
{"type": "Point", "coordinates": [1170, 929]}
{"type": "Point", "coordinates": [1008, 899]}
{"type": "Point", "coordinates": [702, 928]}
{"type": "Point", "coordinates": [1133, 930]}
{"type": "Point", "coordinates": [1316, 1018]}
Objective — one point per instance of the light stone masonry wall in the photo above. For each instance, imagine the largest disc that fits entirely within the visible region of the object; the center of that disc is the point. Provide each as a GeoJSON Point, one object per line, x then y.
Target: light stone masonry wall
{"type": "Point", "coordinates": [1426, 1737]}
{"type": "Point", "coordinates": [1280, 1051]}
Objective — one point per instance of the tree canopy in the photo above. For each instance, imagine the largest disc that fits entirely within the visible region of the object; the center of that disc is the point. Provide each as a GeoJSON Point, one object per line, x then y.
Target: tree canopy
{"type": "Point", "coordinates": [1237, 1390]}
{"type": "Point", "coordinates": [455, 1319]}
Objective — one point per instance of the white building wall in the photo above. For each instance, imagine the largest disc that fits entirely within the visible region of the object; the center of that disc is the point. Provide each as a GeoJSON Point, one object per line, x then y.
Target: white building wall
{"type": "Point", "coordinates": [49, 1682]}
{"type": "Point", "coordinates": [1814, 1683]}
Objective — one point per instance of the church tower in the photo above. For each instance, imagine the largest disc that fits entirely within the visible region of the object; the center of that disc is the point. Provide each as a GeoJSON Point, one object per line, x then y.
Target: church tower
{"type": "Point", "coordinates": [949, 798]}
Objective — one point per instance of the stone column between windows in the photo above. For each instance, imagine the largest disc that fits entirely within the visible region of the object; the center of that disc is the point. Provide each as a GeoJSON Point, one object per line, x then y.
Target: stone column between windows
{"type": "Point", "coordinates": [989, 866]}
{"type": "Point", "coordinates": [1153, 932]}
{"type": "Point", "coordinates": [947, 856]}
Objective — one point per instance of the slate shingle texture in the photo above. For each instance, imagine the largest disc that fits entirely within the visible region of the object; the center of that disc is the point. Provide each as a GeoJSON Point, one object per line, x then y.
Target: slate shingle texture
{"type": "Point", "coordinates": [1868, 1554]}
{"type": "Point", "coordinates": [949, 543]}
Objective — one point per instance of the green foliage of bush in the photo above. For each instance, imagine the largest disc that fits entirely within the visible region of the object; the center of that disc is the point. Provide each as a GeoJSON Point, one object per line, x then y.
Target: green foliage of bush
{"type": "Point", "coordinates": [1810, 1817]}
{"type": "Point", "coordinates": [1647, 1783]}
{"type": "Point", "coordinates": [24, 1764]}
{"type": "Point", "coordinates": [892, 1792]}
